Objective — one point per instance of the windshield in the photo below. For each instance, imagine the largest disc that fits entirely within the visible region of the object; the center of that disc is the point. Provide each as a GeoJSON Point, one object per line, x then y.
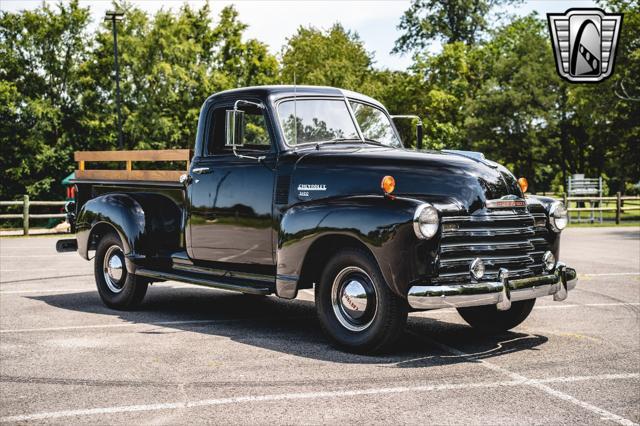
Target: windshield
{"type": "Point", "coordinates": [374, 124]}
{"type": "Point", "coordinates": [316, 120]}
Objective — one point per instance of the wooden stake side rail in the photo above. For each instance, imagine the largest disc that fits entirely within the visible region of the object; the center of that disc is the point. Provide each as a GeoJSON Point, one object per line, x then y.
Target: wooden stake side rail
{"type": "Point", "coordinates": [83, 157]}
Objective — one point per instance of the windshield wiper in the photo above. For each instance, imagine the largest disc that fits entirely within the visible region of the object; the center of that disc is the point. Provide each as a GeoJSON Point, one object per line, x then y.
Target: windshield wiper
{"type": "Point", "coordinates": [373, 142]}
{"type": "Point", "coordinates": [337, 140]}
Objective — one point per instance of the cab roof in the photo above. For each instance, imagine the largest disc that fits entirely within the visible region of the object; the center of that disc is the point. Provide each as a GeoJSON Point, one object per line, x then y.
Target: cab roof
{"type": "Point", "coordinates": [277, 92]}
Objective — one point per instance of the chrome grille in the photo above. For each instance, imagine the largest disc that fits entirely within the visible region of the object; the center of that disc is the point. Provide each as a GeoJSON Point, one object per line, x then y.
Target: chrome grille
{"type": "Point", "coordinates": [515, 241]}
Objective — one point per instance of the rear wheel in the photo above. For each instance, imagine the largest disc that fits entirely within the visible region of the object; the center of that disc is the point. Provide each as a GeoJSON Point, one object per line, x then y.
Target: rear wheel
{"type": "Point", "coordinates": [356, 308]}
{"type": "Point", "coordinates": [117, 288]}
{"type": "Point", "coordinates": [489, 319]}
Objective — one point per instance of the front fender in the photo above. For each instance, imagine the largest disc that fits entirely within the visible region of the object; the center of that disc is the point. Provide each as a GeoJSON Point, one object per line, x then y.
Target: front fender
{"type": "Point", "coordinates": [383, 225]}
{"type": "Point", "coordinates": [147, 223]}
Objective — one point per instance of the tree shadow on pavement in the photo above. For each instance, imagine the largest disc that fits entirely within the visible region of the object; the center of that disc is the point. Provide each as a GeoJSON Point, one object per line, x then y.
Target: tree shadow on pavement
{"type": "Point", "coordinates": [291, 327]}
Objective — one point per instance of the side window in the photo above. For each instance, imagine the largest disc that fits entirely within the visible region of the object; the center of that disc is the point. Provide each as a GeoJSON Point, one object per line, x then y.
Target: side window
{"type": "Point", "coordinates": [374, 124]}
{"type": "Point", "coordinates": [256, 132]}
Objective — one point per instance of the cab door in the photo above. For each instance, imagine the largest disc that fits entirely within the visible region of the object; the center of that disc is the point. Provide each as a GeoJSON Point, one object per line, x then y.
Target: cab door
{"type": "Point", "coordinates": [231, 218]}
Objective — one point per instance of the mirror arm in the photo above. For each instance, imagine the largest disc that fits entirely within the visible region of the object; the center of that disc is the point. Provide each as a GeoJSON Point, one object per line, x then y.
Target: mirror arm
{"type": "Point", "coordinates": [233, 146]}
{"type": "Point", "coordinates": [419, 128]}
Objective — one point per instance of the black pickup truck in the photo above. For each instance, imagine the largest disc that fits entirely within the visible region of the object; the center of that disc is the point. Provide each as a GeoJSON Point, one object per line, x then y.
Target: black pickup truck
{"type": "Point", "coordinates": [295, 188]}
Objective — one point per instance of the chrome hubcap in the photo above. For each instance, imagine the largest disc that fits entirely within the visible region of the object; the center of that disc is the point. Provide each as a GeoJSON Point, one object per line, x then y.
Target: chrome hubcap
{"type": "Point", "coordinates": [114, 269]}
{"type": "Point", "coordinates": [353, 297]}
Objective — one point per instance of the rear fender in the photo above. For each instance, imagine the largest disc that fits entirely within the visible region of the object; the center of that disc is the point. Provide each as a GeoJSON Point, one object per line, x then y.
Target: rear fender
{"type": "Point", "coordinates": [148, 224]}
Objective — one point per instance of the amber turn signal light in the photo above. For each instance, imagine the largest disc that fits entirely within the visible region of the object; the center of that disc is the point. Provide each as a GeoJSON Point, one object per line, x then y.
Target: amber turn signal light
{"type": "Point", "coordinates": [388, 184]}
{"type": "Point", "coordinates": [524, 184]}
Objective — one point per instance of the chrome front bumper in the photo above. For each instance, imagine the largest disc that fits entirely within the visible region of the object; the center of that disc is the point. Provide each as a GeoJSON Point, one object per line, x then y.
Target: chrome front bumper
{"type": "Point", "coordinates": [500, 293]}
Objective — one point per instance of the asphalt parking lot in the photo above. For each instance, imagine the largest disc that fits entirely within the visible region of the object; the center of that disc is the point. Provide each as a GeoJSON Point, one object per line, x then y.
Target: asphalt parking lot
{"type": "Point", "coordinates": [198, 355]}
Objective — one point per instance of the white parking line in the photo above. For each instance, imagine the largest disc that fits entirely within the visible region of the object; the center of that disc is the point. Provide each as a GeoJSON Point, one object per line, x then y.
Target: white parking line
{"type": "Point", "coordinates": [594, 305]}
{"type": "Point", "coordinates": [11, 256]}
{"type": "Point", "coordinates": [309, 395]}
{"type": "Point", "coordinates": [612, 274]}
{"type": "Point", "coordinates": [132, 324]}
{"type": "Point", "coordinates": [540, 385]}
{"type": "Point", "coordinates": [39, 270]}
{"type": "Point", "coordinates": [127, 324]}
{"type": "Point", "coordinates": [52, 247]}
{"type": "Point", "coordinates": [66, 290]}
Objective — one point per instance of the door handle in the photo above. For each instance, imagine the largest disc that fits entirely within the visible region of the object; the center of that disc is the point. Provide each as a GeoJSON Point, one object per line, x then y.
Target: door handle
{"type": "Point", "coordinates": [201, 170]}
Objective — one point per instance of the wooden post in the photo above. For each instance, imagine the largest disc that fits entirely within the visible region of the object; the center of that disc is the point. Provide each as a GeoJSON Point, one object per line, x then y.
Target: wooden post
{"type": "Point", "coordinates": [564, 200]}
{"type": "Point", "coordinates": [129, 165]}
{"type": "Point", "coordinates": [25, 215]}
{"type": "Point", "coordinates": [618, 208]}
{"type": "Point", "coordinates": [81, 165]}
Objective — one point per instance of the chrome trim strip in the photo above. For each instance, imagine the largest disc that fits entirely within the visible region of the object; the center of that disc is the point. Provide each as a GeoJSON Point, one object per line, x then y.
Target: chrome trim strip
{"type": "Point", "coordinates": [488, 260]}
{"type": "Point", "coordinates": [489, 218]}
{"type": "Point", "coordinates": [220, 273]}
{"type": "Point", "coordinates": [169, 276]}
{"type": "Point", "coordinates": [494, 293]}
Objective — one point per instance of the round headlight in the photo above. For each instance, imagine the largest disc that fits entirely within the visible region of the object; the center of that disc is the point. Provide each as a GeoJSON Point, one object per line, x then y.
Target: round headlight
{"type": "Point", "coordinates": [558, 216]}
{"type": "Point", "coordinates": [425, 221]}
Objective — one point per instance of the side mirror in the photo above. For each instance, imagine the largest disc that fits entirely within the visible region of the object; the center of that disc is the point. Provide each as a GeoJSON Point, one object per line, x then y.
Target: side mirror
{"type": "Point", "coordinates": [235, 128]}
{"type": "Point", "coordinates": [419, 128]}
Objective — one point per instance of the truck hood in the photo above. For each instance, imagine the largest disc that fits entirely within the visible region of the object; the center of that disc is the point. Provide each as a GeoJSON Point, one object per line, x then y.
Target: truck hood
{"type": "Point", "coordinates": [450, 180]}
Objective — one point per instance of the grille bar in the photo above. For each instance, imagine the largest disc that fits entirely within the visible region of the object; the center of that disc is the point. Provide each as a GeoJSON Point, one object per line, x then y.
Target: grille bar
{"type": "Point", "coordinates": [513, 241]}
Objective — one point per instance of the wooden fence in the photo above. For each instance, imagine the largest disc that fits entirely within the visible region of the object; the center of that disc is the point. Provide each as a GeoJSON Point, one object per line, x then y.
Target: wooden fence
{"type": "Point", "coordinates": [26, 213]}
{"type": "Point", "coordinates": [600, 204]}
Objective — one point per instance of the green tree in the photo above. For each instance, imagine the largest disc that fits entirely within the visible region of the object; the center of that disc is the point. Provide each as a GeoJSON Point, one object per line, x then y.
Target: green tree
{"type": "Point", "coordinates": [169, 64]}
{"type": "Point", "coordinates": [41, 54]}
{"type": "Point", "coordinates": [57, 85]}
{"type": "Point", "coordinates": [335, 57]}
{"type": "Point", "coordinates": [450, 21]}
{"type": "Point", "coordinates": [511, 116]}
{"type": "Point", "coordinates": [449, 82]}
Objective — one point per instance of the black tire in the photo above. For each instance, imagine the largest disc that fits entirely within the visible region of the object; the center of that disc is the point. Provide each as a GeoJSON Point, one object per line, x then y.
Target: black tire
{"type": "Point", "coordinates": [383, 319]}
{"type": "Point", "coordinates": [124, 293]}
{"type": "Point", "coordinates": [489, 319]}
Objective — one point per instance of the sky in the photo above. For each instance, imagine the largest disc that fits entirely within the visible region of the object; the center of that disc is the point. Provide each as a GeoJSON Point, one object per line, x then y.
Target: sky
{"type": "Point", "coordinates": [272, 22]}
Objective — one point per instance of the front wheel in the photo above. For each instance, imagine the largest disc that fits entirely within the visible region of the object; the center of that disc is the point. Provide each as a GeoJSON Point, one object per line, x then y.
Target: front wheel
{"type": "Point", "coordinates": [356, 308]}
{"type": "Point", "coordinates": [489, 319]}
{"type": "Point", "coordinates": [117, 288]}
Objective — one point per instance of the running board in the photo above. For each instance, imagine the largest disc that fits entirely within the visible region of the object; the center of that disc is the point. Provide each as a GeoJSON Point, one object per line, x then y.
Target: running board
{"type": "Point", "coordinates": [223, 283]}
